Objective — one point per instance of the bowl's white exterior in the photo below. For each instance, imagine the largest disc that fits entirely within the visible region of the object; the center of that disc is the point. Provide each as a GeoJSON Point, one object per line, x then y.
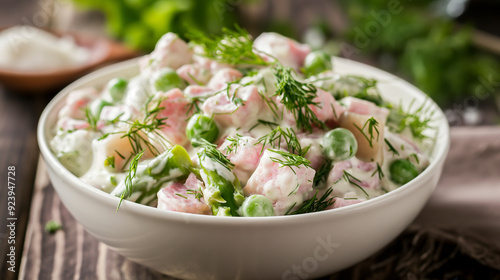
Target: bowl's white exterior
{"type": "Point", "coordinates": [207, 247]}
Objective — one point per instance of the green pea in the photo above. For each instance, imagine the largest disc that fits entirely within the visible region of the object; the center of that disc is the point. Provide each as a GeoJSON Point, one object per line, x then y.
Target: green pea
{"type": "Point", "coordinates": [339, 144]}
{"type": "Point", "coordinates": [117, 88]}
{"type": "Point", "coordinates": [257, 206]}
{"type": "Point", "coordinates": [201, 127]}
{"type": "Point", "coordinates": [402, 171]}
{"type": "Point", "coordinates": [317, 62]}
{"type": "Point", "coordinates": [166, 79]}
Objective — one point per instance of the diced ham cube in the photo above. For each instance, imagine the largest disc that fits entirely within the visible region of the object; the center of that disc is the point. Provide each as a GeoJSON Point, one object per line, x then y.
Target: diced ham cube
{"type": "Point", "coordinates": [367, 108]}
{"type": "Point", "coordinates": [245, 157]}
{"type": "Point", "coordinates": [170, 51]}
{"type": "Point", "coordinates": [76, 102]}
{"type": "Point", "coordinates": [227, 113]}
{"type": "Point", "coordinates": [176, 110]}
{"type": "Point", "coordinates": [285, 188]}
{"type": "Point", "coordinates": [222, 77]}
{"type": "Point", "coordinates": [328, 108]}
{"type": "Point", "coordinates": [179, 197]}
{"type": "Point", "coordinates": [194, 74]}
{"type": "Point", "coordinates": [287, 51]}
{"type": "Point", "coordinates": [196, 91]}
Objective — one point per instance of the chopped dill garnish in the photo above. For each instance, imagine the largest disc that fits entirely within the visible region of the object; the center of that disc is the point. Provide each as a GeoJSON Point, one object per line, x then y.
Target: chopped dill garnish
{"type": "Point", "coordinates": [181, 195]}
{"type": "Point", "coordinates": [378, 171]}
{"type": "Point", "coordinates": [354, 181]}
{"type": "Point", "coordinates": [110, 161]}
{"type": "Point", "coordinates": [269, 124]}
{"type": "Point", "coordinates": [372, 126]}
{"type": "Point", "coordinates": [290, 160]}
{"type": "Point", "coordinates": [210, 150]}
{"type": "Point", "coordinates": [415, 157]}
{"type": "Point", "coordinates": [234, 47]}
{"type": "Point", "coordinates": [391, 148]}
{"type": "Point", "coordinates": [234, 143]}
{"type": "Point", "coordinates": [294, 191]}
{"type": "Point", "coordinates": [115, 120]}
{"type": "Point", "coordinates": [368, 89]}
{"type": "Point", "coordinates": [297, 97]}
{"type": "Point", "coordinates": [417, 120]}
{"type": "Point", "coordinates": [150, 124]}
{"type": "Point", "coordinates": [132, 172]}
{"type": "Point", "coordinates": [91, 119]}
{"type": "Point", "coordinates": [322, 174]}
{"type": "Point", "coordinates": [278, 135]}
{"type": "Point", "coordinates": [314, 204]}
{"type": "Point", "coordinates": [198, 194]}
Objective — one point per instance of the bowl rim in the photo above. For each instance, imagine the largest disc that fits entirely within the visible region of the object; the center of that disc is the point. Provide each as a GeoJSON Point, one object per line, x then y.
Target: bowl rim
{"type": "Point", "coordinates": [441, 149]}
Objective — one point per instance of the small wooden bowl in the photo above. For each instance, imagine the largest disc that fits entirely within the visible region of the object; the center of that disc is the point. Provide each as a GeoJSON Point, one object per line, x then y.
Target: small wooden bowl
{"type": "Point", "coordinates": [103, 51]}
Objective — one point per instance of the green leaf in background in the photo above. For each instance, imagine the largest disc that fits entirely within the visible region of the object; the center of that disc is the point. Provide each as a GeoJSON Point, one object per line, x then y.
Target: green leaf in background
{"type": "Point", "coordinates": [140, 23]}
{"type": "Point", "coordinates": [431, 50]}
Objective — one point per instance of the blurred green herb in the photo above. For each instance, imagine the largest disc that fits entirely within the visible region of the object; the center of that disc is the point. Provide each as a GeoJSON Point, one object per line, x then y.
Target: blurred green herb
{"type": "Point", "coordinates": [140, 23]}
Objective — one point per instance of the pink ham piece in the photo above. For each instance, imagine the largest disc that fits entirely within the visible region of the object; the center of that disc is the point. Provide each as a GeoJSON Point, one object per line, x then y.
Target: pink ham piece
{"type": "Point", "coordinates": [245, 158]}
{"type": "Point", "coordinates": [179, 197]}
{"type": "Point", "coordinates": [222, 77]}
{"type": "Point", "coordinates": [176, 109]}
{"type": "Point", "coordinates": [76, 102]}
{"type": "Point", "coordinates": [227, 113]}
{"type": "Point", "coordinates": [285, 188]}
{"type": "Point", "coordinates": [287, 51]}
{"type": "Point", "coordinates": [194, 74]}
{"type": "Point", "coordinates": [170, 51]}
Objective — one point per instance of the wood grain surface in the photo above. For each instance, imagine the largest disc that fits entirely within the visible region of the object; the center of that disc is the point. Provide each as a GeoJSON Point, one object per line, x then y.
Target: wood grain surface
{"type": "Point", "coordinates": [69, 253]}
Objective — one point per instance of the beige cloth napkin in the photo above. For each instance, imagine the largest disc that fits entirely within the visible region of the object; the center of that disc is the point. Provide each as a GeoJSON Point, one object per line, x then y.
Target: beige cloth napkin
{"type": "Point", "coordinates": [457, 234]}
{"type": "Point", "coordinates": [465, 208]}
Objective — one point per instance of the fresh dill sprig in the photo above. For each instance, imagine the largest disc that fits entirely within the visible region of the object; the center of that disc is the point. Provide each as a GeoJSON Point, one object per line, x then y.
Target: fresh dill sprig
{"type": "Point", "coordinates": [233, 145]}
{"type": "Point", "coordinates": [132, 172]}
{"type": "Point", "coordinates": [297, 97]}
{"type": "Point", "coordinates": [269, 124]}
{"type": "Point", "coordinates": [314, 204]}
{"type": "Point", "coordinates": [415, 157]}
{"type": "Point", "coordinates": [210, 150]}
{"type": "Point", "coordinates": [181, 195]}
{"type": "Point", "coordinates": [368, 89]}
{"type": "Point", "coordinates": [391, 148]}
{"type": "Point", "coordinates": [354, 181]}
{"type": "Point", "coordinates": [372, 125]}
{"type": "Point", "coordinates": [150, 124]}
{"type": "Point", "coordinates": [91, 119]}
{"type": "Point", "coordinates": [378, 171]}
{"type": "Point", "coordinates": [322, 174]}
{"type": "Point", "coordinates": [418, 120]}
{"type": "Point", "coordinates": [279, 135]}
{"type": "Point", "coordinates": [198, 194]}
{"type": "Point", "coordinates": [290, 160]}
{"type": "Point", "coordinates": [234, 47]}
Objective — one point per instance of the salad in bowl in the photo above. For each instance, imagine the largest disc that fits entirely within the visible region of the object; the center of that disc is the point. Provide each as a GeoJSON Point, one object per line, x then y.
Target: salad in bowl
{"type": "Point", "coordinates": [230, 126]}
{"type": "Point", "coordinates": [325, 160]}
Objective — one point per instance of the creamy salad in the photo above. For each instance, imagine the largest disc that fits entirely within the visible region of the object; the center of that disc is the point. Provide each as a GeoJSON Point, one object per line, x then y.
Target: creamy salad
{"type": "Point", "coordinates": [230, 126]}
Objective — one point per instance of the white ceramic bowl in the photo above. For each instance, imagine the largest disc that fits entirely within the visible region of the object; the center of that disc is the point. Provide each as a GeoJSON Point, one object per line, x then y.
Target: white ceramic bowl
{"type": "Point", "coordinates": [207, 247]}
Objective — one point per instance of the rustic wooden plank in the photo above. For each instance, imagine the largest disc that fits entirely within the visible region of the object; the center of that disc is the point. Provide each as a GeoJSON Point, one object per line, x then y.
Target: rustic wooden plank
{"type": "Point", "coordinates": [18, 147]}
{"type": "Point", "coordinates": [70, 253]}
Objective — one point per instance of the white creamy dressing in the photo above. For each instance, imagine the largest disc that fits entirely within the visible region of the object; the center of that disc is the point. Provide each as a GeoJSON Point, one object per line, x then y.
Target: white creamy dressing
{"type": "Point", "coordinates": [26, 48]}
